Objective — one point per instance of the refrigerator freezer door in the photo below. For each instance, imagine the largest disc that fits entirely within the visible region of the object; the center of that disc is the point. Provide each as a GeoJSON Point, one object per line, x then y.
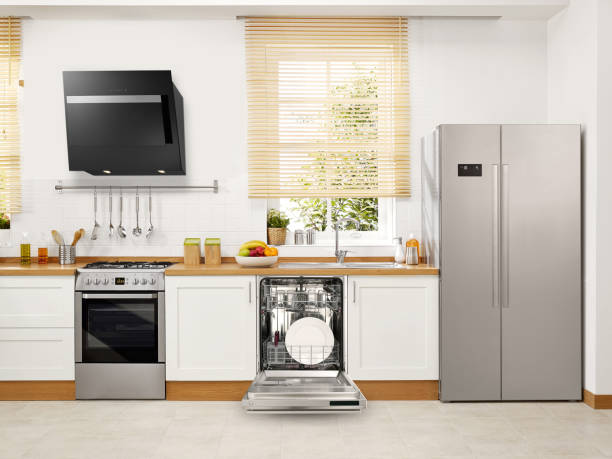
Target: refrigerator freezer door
{"type": "Point", "coordinates": [541, 292]}
{"type": "Point", "coordinates": [469, 261]}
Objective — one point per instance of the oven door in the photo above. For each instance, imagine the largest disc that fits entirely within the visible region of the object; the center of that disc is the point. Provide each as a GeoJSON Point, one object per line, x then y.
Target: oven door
{"type": "Point", "coordinates": [303, 391]}
{"type": "Point", "coordinates": [119, 328]}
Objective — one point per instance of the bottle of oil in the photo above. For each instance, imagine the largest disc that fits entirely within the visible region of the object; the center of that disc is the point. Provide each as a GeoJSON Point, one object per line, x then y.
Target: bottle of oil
{"type": "Point", "coordinates": [25, 250]}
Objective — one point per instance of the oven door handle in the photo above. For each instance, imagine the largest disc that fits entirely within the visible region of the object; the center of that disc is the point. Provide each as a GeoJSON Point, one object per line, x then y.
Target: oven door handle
{"type": "Point", "coordinates": [119, 296]}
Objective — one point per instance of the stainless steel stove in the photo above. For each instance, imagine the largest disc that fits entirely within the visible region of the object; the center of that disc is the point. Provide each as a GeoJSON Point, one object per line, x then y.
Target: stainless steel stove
{"type": "Point", "coordinates": [120, 350]}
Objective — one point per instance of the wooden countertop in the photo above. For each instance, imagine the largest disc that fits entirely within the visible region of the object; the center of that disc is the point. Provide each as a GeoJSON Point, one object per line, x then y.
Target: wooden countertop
{"type": "Point", "coordinates": [233, 269]}
{"type": "Point", "coordinates": [34, 269]}
{"type": "Point", "coordinates": [14, 268]}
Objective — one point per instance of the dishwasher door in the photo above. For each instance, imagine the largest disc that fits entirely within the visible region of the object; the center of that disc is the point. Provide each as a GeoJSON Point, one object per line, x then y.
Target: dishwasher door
{"type": "Point", "coordinates": [303, 391]}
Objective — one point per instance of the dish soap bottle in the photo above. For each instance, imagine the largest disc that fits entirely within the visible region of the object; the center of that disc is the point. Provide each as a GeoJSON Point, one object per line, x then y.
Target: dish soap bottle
{"type": "Point", "coordinates": [412, 242]}
{"type": "Point", "coordinates": [399, 250]}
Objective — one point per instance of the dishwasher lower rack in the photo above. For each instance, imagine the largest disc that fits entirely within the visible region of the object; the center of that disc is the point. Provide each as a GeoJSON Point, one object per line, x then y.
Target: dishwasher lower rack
{"type": "Point", "coordinates": [282, 356]}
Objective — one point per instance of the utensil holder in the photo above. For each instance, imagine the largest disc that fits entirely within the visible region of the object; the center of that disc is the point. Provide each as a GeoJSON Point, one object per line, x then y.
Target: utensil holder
{"type": "Point", "coordinates": [67, 254]}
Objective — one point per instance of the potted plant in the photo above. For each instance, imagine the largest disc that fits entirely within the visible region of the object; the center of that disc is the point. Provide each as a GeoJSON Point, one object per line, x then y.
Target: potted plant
{"type": "Point", "coordinates": [277, 227]}
{"type": "Point", "coordinates": [5, 223]}
{"type": "Point", "coordinates": [5, 232]}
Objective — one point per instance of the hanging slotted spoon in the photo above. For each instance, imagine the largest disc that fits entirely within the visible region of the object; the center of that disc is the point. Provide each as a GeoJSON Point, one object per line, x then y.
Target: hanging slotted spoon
{"type": "Point", "coordinates": [120, 229]}
{"type": "Point", "coordinates": [137, 231]}
{"type": "Point", "coordinates": [111, 228]}
{"type": "Point", "coordinates": [150, 230]}
{"type": "Point", "coordinates": [96, 227]}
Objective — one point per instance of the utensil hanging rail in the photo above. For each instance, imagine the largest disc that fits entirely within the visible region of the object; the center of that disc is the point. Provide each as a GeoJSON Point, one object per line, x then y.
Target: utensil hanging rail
{"type": "Point", "coordinates": [214, 187]}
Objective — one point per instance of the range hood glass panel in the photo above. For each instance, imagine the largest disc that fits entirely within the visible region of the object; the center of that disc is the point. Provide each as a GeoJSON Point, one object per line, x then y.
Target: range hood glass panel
{"type": "Point", "coordinates": [127, 122]}
{"type": "Point", "coordinates": [117, 124]}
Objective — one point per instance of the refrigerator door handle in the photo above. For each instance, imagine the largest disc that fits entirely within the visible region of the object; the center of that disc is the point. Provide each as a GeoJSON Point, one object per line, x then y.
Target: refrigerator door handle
{"type": "Point", "coordinates": [505, 237]}
{"type": "Point", "coordinates": [496, 236]}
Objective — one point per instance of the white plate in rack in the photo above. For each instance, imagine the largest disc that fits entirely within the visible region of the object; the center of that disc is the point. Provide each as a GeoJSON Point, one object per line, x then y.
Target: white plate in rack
{"type": "Point", "coordinates": [309, 340]}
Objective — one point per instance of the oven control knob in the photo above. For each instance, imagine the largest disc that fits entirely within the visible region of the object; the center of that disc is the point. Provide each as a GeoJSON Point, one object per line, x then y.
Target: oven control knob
{"type": "Point", "coordinates": [96, 281]}
{"type": "Point", "coordinates": [88, 281]}
{"type": "Point", "coordinates": [135, 282]}
{"type": "Point", "coordinates": [152, 281]}
{"type": "Point", "coordinates": [143, 281]}
{"type": "Point", "coordinates": [105, 281]}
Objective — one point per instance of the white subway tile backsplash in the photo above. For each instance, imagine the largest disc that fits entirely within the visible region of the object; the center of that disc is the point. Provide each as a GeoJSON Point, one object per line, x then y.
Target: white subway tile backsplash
{"type": "Point", "coordinates": [229, 215]}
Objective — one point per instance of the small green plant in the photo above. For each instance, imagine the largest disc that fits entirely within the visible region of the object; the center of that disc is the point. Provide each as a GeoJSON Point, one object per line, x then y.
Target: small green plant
{"type": "Point", "coordinates": [5, 222]}
{"type": "Point", "coordinates": [277, 219]}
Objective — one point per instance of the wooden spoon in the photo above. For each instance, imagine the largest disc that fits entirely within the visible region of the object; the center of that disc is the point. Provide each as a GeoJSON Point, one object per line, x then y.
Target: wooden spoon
{"type": "Point", "coordinates": [78, 234]}
{"type": "Point", "coordinates": [57, 237]}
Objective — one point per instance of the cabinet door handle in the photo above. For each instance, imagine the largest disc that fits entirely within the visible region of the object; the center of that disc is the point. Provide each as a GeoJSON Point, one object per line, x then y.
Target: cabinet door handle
{"type": "Point", "coordinates": [354, 291]}
{"type": "Point", "coordinates": [250, 295]}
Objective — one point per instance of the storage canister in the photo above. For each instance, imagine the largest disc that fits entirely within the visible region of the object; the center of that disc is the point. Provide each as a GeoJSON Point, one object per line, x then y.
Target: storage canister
{"type": "Point", "coordinates": [191, 248]}
{"type": "Point", "coordinates": [212, 251]}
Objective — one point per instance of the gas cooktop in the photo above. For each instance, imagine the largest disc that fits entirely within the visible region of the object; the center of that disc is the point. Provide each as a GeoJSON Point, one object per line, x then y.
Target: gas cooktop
{"type": "Point", "coordinates": [122, 276]}
{"type": "Point", "coordinates": [128, 265]}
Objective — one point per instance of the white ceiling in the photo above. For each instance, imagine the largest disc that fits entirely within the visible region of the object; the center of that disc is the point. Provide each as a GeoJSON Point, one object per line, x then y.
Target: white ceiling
{"type": "Point", "coordinates": [200, 9]}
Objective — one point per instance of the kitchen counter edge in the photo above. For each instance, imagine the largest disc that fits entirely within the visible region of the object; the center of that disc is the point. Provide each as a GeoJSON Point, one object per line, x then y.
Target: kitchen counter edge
{"type": "Point", "coordinates": [225, 269]}
{"type": "Point", "coordinates": [234, 269]}
{"type": "Point", "coordinates": [34, 269]}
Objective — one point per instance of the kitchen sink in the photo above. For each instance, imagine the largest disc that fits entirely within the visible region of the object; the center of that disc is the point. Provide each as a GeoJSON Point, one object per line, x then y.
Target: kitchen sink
{"type": "Point", "coordinates": [346, 265]}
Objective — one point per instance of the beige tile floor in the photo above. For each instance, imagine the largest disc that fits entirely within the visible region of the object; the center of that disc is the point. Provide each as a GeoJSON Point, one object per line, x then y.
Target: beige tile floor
{"type": "Point", "coordinates": [183, 430]}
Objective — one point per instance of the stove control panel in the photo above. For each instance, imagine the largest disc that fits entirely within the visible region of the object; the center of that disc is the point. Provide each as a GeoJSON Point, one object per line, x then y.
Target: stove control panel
{"type": "Point", "coordinates": [120, 281]}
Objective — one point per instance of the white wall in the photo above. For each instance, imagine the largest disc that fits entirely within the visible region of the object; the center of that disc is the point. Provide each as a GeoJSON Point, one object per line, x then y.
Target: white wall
{"type": "Point", "coordinates": [604, 202]}
{"type": "Point", "coordinates": [472, 71]}
{"type": "Point", "coordinates": [572, 89]}
{"type": "Point", "coordinates": [580, 91]}
{"type": "Point", "coordinates": [463, 70]}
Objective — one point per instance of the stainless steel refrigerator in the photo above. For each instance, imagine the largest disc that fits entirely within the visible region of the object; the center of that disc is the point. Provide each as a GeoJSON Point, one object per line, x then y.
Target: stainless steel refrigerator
{"type": "Point", "coordinates": [502, 220]}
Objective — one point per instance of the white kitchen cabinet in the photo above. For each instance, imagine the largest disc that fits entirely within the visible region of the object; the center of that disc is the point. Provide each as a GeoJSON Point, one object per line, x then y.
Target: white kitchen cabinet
{"type": "Point", "coordinates": [210, 328]}
{"type": "Point", "coordinates": [36, 328]}
{"type": "Point", "coordinates": [393, 327]}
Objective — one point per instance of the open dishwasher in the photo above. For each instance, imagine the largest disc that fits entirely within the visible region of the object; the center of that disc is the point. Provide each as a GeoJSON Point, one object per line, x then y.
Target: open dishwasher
{"type": "Point", "coordinates": [301, 352]}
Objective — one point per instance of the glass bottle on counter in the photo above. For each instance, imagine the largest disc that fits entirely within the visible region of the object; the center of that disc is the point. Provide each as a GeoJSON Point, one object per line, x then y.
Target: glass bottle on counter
{"type": "Point", "coordinates": [399, 250]}
{"type": "Point", "coordinates": [25, 250]}
{"type": "Point", "coordinates": [43, 256]}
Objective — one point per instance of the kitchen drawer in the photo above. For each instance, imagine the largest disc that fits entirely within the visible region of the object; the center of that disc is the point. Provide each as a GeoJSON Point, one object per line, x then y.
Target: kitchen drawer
{"type": "Point", "coordinates": [40, 301]}
{"type": "Point", "coordinates": [36, 354]}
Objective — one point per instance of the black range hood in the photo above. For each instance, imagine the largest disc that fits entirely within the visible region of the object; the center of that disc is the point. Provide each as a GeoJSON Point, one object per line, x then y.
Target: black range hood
{"type": "Point", "coordinates": [124, 123]}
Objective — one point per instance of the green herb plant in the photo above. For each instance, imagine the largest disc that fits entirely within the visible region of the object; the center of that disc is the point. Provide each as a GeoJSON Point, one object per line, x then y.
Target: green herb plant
{"type": "Point", "coordinates": [5, 222]}
{"type": "Point", "coordinates": [277, 219]}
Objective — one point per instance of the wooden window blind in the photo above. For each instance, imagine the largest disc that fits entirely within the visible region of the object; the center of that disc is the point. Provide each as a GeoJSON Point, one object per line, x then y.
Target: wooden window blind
{"type": "Point", "coordinates": [328, 103]}
{"type": "Point", "coordinates": [10, 61]}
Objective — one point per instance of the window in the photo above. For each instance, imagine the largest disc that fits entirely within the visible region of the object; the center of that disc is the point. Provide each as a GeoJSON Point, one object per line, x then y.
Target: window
{"type": "Point", "coordinates": [375, 216]}
{"type": "Point", "coordinates": [10, 59]}
{"type": "Point", "coordinates": [328, 110]}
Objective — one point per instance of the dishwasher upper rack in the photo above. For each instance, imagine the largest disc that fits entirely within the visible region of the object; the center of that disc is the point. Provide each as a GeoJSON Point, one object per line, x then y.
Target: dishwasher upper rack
{"type": "Point", "coordinates": [299, 305]}
{"type": "Point", "coordinates": [281, 297]}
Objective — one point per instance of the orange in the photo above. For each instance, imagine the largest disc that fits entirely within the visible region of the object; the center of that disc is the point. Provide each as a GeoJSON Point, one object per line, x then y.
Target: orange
{"type": "Point", "coordinates": [270, 251]}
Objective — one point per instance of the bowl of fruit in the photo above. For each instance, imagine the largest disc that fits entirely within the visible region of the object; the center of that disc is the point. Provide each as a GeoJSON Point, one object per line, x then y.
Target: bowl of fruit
{"type": "Point", "coordinates": [256, 254]}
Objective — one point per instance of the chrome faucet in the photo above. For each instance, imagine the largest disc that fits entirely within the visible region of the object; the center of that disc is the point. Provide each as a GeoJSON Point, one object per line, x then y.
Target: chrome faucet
{"type": "Point", "coordinates": [340, 254]}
